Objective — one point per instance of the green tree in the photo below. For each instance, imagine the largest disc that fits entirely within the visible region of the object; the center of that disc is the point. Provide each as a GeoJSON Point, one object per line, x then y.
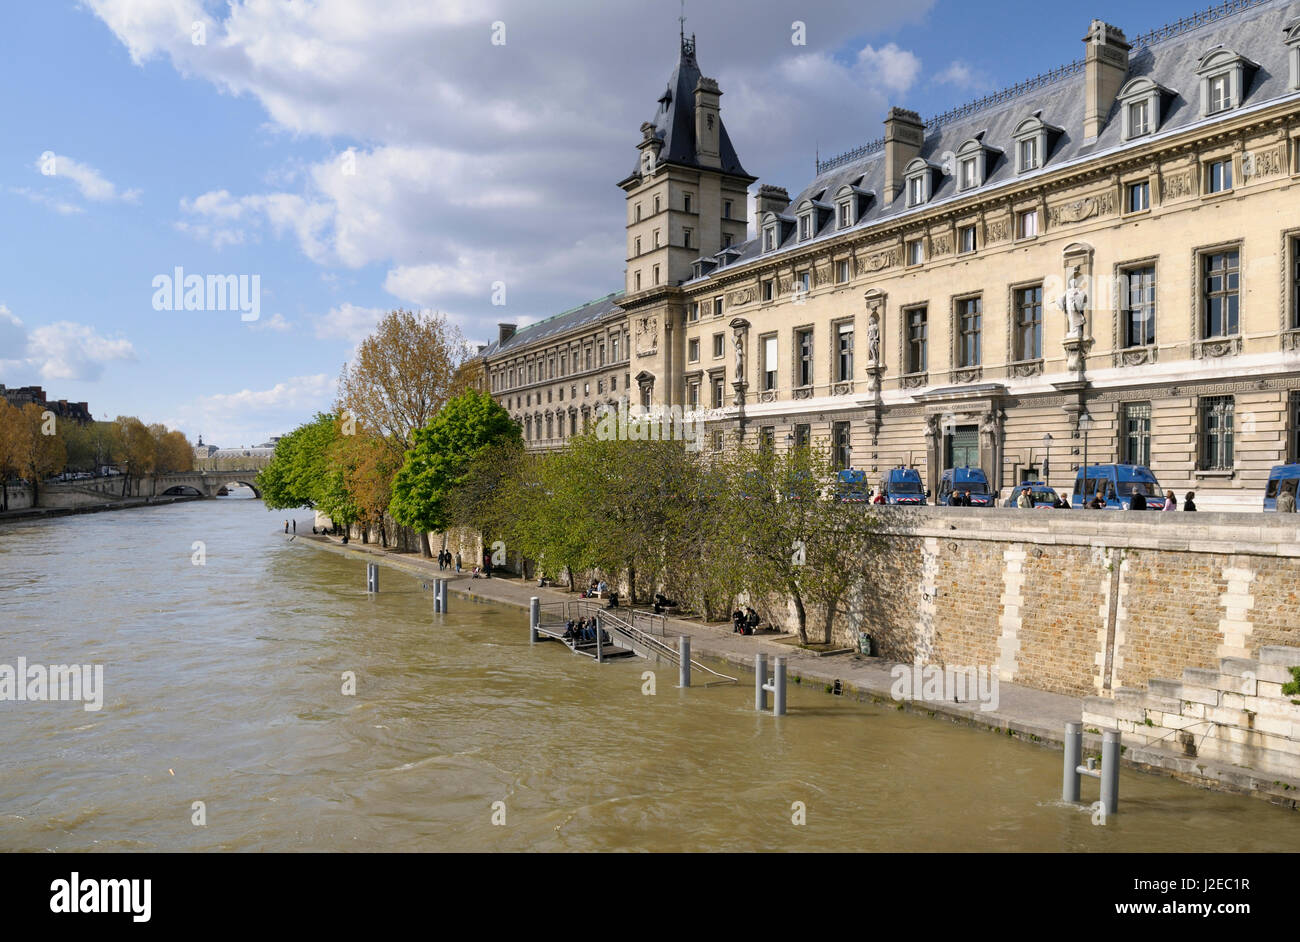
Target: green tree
{"type": "Point", "coordinates": [441, 455]}
{"type": "Point", "coordinates": [302, 472]}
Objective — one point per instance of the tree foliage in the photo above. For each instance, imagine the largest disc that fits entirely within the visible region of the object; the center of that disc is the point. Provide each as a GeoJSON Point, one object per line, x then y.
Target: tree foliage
{"type": "Point", "coordinates": [442, 455]}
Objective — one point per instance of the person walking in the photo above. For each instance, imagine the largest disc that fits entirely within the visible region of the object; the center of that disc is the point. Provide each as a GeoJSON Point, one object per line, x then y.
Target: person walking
{"type": "Point", "coordinates": [286, 526]}
{"type": "Point", "coordinates": [458, 562]}
{"type": "Point", "coordinates": [295, 526]}
{"type": "Point", "coordinates": [1189, 501]}
{"type": "Point", "coordinates": [1138, 500]}
{"type": "Point", "coordinates": [1171, 502]}
{"type": "Point", "coordinates": [1286, 500]}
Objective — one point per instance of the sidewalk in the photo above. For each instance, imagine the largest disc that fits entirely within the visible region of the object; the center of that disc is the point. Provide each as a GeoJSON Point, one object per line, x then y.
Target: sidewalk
{"type": "Point", "coordinates": [1034, 716]}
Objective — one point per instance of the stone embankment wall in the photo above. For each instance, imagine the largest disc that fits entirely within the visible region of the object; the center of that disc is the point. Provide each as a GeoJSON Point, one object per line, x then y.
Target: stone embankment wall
{"type": "Point", "coordinates": [1079, 602]}
{"type": "Point", "coordinates": [1236, 712]}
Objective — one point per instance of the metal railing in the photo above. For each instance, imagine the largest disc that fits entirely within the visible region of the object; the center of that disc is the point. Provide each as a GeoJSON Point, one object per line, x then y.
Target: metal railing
{"type": "Point", "coordinates": [619, 625]}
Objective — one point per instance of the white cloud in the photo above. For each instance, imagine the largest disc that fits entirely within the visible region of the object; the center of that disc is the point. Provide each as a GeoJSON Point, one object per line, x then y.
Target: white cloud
{"type": "Point", "coordinates": [87, 179]}
{"type": "Point", "coordinates": [61, 207]}
{"type": "Point", "coordinates": [275, 322]}
{"type": "Point", "coordinates": [963, 76]}
{"type": "Point", "coordinates": [894, 68]}
{"type": "Point", "coordinates": [348, 322]}
{"type": "Point", "coordinates": [250, 416]}
{"type": "Point", "coordinates": [59, 351]}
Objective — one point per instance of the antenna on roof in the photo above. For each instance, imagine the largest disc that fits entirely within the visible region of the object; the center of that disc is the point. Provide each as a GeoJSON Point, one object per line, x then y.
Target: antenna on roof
{"type": "Point", "coordinates": [682, 23]}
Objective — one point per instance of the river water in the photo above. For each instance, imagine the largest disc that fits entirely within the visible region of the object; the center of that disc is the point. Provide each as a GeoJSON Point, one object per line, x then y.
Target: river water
{"type": "Point", "coordinates": [223, 685]}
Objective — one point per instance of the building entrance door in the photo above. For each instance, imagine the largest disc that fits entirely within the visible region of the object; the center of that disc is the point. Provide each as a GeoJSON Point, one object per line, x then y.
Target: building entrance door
{"type": "Point", "coordinates": [962, 447]}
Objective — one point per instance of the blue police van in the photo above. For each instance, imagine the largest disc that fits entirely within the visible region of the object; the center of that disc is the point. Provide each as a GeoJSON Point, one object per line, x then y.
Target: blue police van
{"type": "Point", "coordinates": [1282, 475]}
{"type": "Point", "coordinates": [1116, 482]}
{"type": "Point", "coordinates": [961, 480]}
{"type": "Point", "coordinates": [903, 486]}
{"type": "Point", "coordinates": [851, 487]}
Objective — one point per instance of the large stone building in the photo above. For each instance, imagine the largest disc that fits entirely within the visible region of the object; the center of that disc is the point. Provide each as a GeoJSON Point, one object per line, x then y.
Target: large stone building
{"type": "Point", "coordinates": [1108, 254]}
{"type": "Point", "coordinates": [23, 395]}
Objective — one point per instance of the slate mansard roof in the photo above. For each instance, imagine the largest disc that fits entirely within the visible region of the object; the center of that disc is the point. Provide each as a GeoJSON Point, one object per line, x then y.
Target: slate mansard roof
{"type": "Point", "coordinates": [674, 119]}
{"type": "Point", "coordinates": [1169, 57]}
{"type": "Point", "coordinates": [590, 313]}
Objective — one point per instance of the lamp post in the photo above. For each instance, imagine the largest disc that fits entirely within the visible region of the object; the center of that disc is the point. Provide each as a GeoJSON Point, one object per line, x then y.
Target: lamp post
{"type": "Point", "coordinates": [1085, 425]}
{"type": "Point", "coordinates": [1047, 458]}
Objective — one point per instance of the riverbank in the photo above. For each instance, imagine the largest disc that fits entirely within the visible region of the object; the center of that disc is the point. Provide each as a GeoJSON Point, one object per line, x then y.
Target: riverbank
{"type": "Point", "coordinates": [1032, 716]}
{"type": "Point", "coordinates": [38, 513]}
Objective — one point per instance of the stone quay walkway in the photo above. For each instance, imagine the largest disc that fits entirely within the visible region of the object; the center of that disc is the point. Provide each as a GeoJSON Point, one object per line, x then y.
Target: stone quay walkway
{"type": "Point", "coordinates": [1024, 713]}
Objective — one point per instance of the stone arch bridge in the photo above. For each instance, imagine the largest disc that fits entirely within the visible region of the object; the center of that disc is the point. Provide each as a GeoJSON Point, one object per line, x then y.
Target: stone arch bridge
{"type": "Point", "coordinates": [178, 483]}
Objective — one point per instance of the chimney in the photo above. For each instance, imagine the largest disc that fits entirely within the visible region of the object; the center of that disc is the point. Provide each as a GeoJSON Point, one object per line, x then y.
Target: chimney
{"type": "Point", "coordinates": [904, 134]}
{"type": "Point", "coordinates": [708, 123]}
{"type": "Point", "coordinates": [1105, 66]}
{"type": "Point", "coordinates": [770, 199]}
{"type": "Point", "coordinates": [504, 333]}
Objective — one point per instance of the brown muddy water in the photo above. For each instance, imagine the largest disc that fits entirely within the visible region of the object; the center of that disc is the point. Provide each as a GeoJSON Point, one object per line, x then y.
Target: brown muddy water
{"type": "Point", "coordinates": [223, 685]}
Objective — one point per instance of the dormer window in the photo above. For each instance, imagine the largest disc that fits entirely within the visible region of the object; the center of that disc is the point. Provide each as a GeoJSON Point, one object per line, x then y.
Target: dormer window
{"type": "Point", "coordinates": [805, 226]}
{"type": "Point", "coordinates": [777, 227]}
{"type": "Point", "coordinates": [919, 180]}
{"type": "Point", "coordinates": [850, 204]}
{"type": "Point", "coordinates": [1034, 139]}
{"type": "Point", "coordinates": [769, 239]}
{"type": "Point", "coordinates": [1224, 78]}
{"type": "Point", "coordinates": [1141, 103]}
{"type": "Point", "coordinates": [1291, 36]}
{"type": "Point", "coordinates": [973, 164]}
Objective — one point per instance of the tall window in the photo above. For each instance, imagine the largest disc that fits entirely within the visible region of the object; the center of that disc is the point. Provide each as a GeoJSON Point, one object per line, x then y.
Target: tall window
{"type": "Point", "coordinates": [1219, 177]}
{"type": "Point", "coordinates": [915, 252]}
{"type": "Point", "coordinates": [1139, 308]}
{"type": "Point", "coordinates": [1027, 224]}
{"type": "Point", "coordinates": [1139, 118]}
{"type": "Point", "coordinates": [1293, 410]}
{"type": "Point", "coordinates": [844, 354]}
{"type": "Point", "coordinates": [717, 345]}
{"type": "Point", "coordinates": [1137, 433]}
{"type": "Point", "coordinates": [842, 271]}
{"type": "Point", "coordinates": [686, 238]}
{"type": "Point", "coordinates": [717, 306]}
{"type": "Point", "coordinates": [769, 362]}
{"type": "Point", "coordinates": [845, 217]}
{"type": "Point", "coordinates": [1029, 323]}
{"type": "Point", "coordinates": [637, 208]}
{"type": "Point", "coordinates": [638, 246]}
{"type": "Point", "coordinates": [766, 439]}
{"type": "Point", "coordinates": [966, 239]}
{"type": "Point", "coordinates": [917, 345]}
{"type": "Point", "coordinates": [693, 312]}
{"type": "Point", "coordinates": [693, 350]}
{"type": "Point", "coordinates": [968, 175]}
{"type": "Point", "coordinates": [842, 451]}
{"type": "Point", "coordinates": [1219, 287]}
{"type": "Point", "coordinates": [769, 240]}
{"type": "Point", "coordinates": [1295, 283]}
{"type": "Point", "coordinates": [693, 395]}
{"type": "Point", "coordinates": [802, 436]}
{"type": "Point", "coordinates": [804, 280]}
{"type": "Point", "coordinates": [969, 319]}
{"type": "Point", "coordinates": [613, 349]}
{"type": "Point", "coordinates": [726, 209]}
{"type": "Point", "coordinates": [1029, 154]}
{"type": "Point", "coordinates": [719, 390]}
{"type": "Point", "coordinates": [1139, 197]}
{"type": "Point", "coordinates": [768, 293]}
{"type": "Point", "coordinates": [686, 202]}
{"type": "Point", "coordinates": [1220, 93]}
{"type": "Point", "coordinates": [1216, 433]}
{"type": "Point", "coordinates": [657, 204]}
{"type": "Point", "coordinates": [804, 344]}
{"type": "Point", "coordinates": [656, 272]}
{"type": "Point", "coordinates": [805, 226]}
{"type": "Point", "coordinates": [915, 191]}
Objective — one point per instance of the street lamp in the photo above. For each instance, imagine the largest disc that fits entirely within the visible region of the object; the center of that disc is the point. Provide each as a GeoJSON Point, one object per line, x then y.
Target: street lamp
{"type": "Point", "coordinates": [1047, 459]}
{"type": "Point", "coordinates": [1085, 425]}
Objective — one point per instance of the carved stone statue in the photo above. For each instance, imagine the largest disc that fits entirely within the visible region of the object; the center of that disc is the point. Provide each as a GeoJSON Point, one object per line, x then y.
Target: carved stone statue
{"type": "Point", "coordinates": [738, 341]}
{"type": "Point", "coordinates": [1075, 305]}
{"type": "Point", "coordinates": [932, 428]}
{"type": "Point", "coordinates": [873, 340]}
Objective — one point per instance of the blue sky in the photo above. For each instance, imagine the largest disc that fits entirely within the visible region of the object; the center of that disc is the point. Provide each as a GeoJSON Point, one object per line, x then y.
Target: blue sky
{"type": "Point", "coordinates": [473, 163]}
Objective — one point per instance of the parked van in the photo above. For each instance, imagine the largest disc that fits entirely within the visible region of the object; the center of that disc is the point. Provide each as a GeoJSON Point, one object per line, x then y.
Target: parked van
{"type": "Point", "coordinates": [903, 486]}
{"type": "Point", "coordinates": [851, 486]}
{"type": "Point", "coordinates": [957, 480]}
{"type": "Point", "coordinates": [1116, 483]}
{"type": "Point", "coordinates": [1282, 474]}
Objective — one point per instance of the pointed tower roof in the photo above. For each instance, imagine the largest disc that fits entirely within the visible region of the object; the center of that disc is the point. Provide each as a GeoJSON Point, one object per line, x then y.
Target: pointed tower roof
{"type": "Point", "coordinates": [674, 118]}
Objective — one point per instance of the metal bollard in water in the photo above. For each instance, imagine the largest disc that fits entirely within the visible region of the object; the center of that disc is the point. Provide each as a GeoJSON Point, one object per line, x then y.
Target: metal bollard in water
{"type": "Point", "coordinates": [1073, 752]}
{"type": "Point", "coordinates": [1110, 770]}
{"type": "Point", "coordinates": [372, 577]}
{"type": "Point", "coordinates": [534, 618]}
{"type": "Point", "coordinates": [760, 679]}
{"type": "Point", "coordinates": [778, 692]}
{"type": "Point", "coordinates": [600, 645]}
{"type": "Point", "coordinates": [683, 661]}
